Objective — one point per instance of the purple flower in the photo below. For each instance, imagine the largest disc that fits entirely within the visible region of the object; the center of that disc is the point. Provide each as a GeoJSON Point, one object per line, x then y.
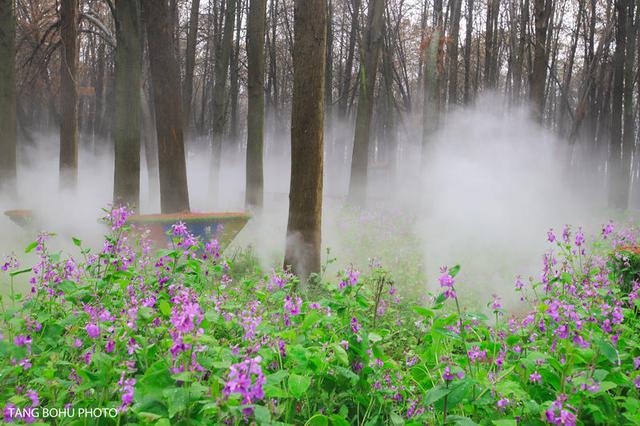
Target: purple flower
{"type": "Point", "coordinates": [22, 340]}
{"type": "Point", "coordinates": [559, 414]}
{"type": "Point", "coordinates": [355, 326]}
{"type": "Point", "coordinates": [447, 375]}
{"type": "Point", "coordinates": [495, 304]}
{"type": "Point", "coordinates": [110, 346]}
{"type": "Point", "coordinates": [33, 396]}
{"type": "Point", "coordinates": [636, 382]}
{"type": "Point", "coordinates": [535, 377]}
{"type": "Point", "coordinates": [579, 238]}
{"type": "Point", "coordinates": [503, 403]}
{"type": "Point", "coordinates": [92, 330]}
{"type": "Point", "coordinates": [246, 379]}
{"type": "Point", "coordinates": [607, 230]}
{"type": "Point", "coordinates": [9, 412]}
{"type": "Point", "coordinates": [519, 284]}
{"type": "Point", "coordinates": [179, 230]}
{"type": "Point", "coordinates": [118, 218]}
{"type": "Point", "coordinates": [345, 345]}
{"type": "Point", "coordinates": [551, 237]}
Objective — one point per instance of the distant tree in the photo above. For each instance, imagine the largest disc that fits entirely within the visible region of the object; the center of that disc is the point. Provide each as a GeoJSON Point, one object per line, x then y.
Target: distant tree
{"type": "Point", "coordinates": [348, 68]}
{"type": "Point", "coordinates": [174, 192]}
{"type": "Point", "coordinates": [542, 11]}
{"type": "Point", "coordinates": [255, 112]}
{"type": "Point", "coordinates": [69, 94]}
{"type": "Point", "coordinates": [303, 252]}
{"type": "Point", "coordinates": [190, 61]}
{"type": "Point", "coordinates": [456, 8]}
{"type": "Point", "coordinates": [367, 80]}
{"type": "Point", "coordinates": [126, 188]}
{"type": "Point", "coordinates": [220, 92]}
{"type": "Point", "coordinates": [618, 167]}
{"type": "Point", "coordinates": [7, 95]}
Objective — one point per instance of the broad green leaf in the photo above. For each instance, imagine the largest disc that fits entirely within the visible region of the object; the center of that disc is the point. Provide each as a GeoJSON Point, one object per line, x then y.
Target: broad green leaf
{"type": "Point", "coordinates": [298, 385]}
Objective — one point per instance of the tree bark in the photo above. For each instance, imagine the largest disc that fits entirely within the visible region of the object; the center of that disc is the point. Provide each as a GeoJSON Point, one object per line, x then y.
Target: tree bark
{"type": "Point", "coordinates": [348, 69]}
{"type": "Point", "coordinates": [256, 25]}
{"type": "Point", "coordinates": [221, 70]}
{"type": "Point", "coordinates": [174, 193]}
{"type": "Point", "coordinates": [69, 94]}
{"type": "Point", "coordinates": [126, 188]}
{"type": "Point", "coordinates": [618, 191]}
{"type": "Point", "coordinates": [456, 6]}
{"type": "Point", "coordinates": [542, 12]}
{"type": "Point", "coordinates": [467, 52]}
{"type": "Point", "coordinates": [367, 80]}
{"type": "Point", "coordinates": [190, 62]}
{"type": "Point", "coordinates": [303, 248]}
{"type": "Point", "coordinates": [8, 121]}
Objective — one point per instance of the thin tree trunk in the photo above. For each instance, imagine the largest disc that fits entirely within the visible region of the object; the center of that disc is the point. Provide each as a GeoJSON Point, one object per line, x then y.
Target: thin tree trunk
{"type": "Point", "coordinates": [8, 121]}
{"type": "Point", "coordinates": [190, 61]}
{"type": "Point", "coordinates": [618, 193]}
{"type": "Point", "coordinates": [456, 6]}
{"type": "Point", "coordinates": [69, 94]}
{"type": "Point", "coordinates": [256, 23]}
{"type": "Point", "coordinates": [348, 69]}
{"type": "Point", "coordinates": [368, 72]}
{"type": "Point", "coordinates": [467, 52]}
{"type": "Point", "coordinates": [174, 192]}
{"type": "Point", "coordinates": [234, 71]}
{"type": "Point", "coordinates": [303, 249]}
{"type": "Point", "coordinates": [542, 11]}
{"type": "Point", "coordinates": [126, 188]}
{"type": "Point", "coordinates": [223, 58]}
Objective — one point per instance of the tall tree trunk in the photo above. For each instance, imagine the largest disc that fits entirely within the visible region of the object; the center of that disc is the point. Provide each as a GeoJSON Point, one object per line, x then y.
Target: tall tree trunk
{"type": "Point", "coordinates": [234, 71]}
{"type": "Point", "coordinates": [348, 68]}
{"type": "Point", "coordinates": [174, 192]}
{"type": "Point", "coordinates": [190, 62]}
{"type": "Point", "coordinates": [367, 79]}
{"type": "Point", "coordinates": [542, 12]}
{"type": "Point", "coordinates": [467, 52]}
{"type": "Point", "coordinates": [303, 249]}
{"type": "Point", "coordinates": [8, 123]}
{"type": "Point", "coordinates": [628, 138]}
{"type": "Point", "coordinates": [223, 58]}
{"type": "Point", "coordinates": [256, 23]}
{"type": "Point", "coordinates": [328, 83]}
{"type": "Point", "coordinates": [126, 188]}
{"type": "Point", "coordinates": [618, 192]}
{"type": "Point", "coordinates": [456, 6]}
{"type": "Point", "coordinates": [69, 94]}
{"type": "Point", "coordinates": [430, 108]}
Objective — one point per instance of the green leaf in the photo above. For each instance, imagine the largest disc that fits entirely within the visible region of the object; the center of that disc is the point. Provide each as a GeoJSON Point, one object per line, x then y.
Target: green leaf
{"type": "Point", "coordinates": [607, 350]}
{"type": "Point", "coordinates": [396, 420]}
{"type": "Point", "coordinates": [454, 271]}
{"type": "Point", "coordinates": [76, 241]}
{"type": "Point", "coordinates": [338, 420]}
{"type": "Point", "coordinates": [165, 308]}
{"type": "Point", "coordinates": [318, 420]}
{"type": "Point", "coordinates": [341, 354]}
{"type": "Point", "coordinates": [298, 385]}
{"type": "Point", "coordinates": [505, 422]}
{"type": "Point", "coordinates": [460, 421]}
{"type": "Point", "coordinates": [30, 247]}
{"type": "Point", "coordinates": [420, 310]}
{"type": "Point", "coordinates": [176, 400]}
{"type": "Point", "coordinates": [374, 337]}
{"type": "Point", "coordinates": [435, 394]}
{"type": "Point", "coordinates": [262, 414]}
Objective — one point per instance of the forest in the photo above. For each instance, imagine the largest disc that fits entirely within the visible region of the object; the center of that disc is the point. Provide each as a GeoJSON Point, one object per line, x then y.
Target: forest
{"type": "Point", "coordinates": [320, 212]}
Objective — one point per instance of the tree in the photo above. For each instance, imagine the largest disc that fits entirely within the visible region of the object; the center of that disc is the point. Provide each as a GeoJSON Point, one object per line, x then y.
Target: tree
{"type": "Point", "coordinates": [190, 61]}
{"type": "Point", "coordinates": [174, 192]}
{"type": "Point", "coordinates": [303, 251]}
{"type": "Point", "coordinates": [367, 80]}
{"type": "Point", "coordinates": [256, 24]}
{"type": "Point", "coordinates": [69, 94]}
{"type": "Point", "coordinates": [126, 187]}
{"type": "Point", "coordinates": [8, 167]}
{"type": "Point", "coordinates": [542, 10]}
{"type": "Point", "coordinates": [456, 6]}
{"type": "Point", "coordinates": [221, 70]}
